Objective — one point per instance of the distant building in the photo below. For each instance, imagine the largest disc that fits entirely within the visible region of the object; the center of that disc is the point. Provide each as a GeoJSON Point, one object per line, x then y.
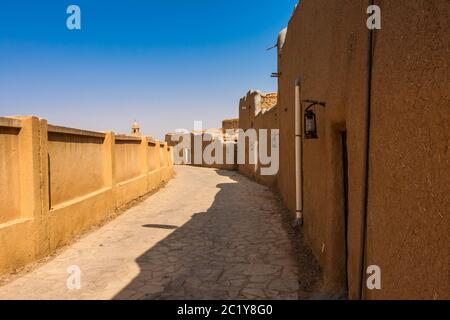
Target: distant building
{"type": "Point", "coordinates": [258, 110]}
{"type": "Point", "coordinates": [230, 124]}
{"type": "Point", "coordinates": [200, 140]}
{"type": "Point", "coordinates": [136, 129]}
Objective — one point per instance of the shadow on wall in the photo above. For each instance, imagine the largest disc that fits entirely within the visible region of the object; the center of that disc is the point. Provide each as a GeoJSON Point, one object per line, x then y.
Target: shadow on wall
{"type": "Point", "coordinates": [233, 250]}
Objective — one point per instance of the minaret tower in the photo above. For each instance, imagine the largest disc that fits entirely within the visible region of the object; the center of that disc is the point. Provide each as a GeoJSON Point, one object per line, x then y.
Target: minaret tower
{"type": "Point", "coordinates": [135, 129]}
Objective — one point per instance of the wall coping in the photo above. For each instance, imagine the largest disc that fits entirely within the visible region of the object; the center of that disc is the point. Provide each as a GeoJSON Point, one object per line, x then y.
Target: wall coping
{"type": "Point", "coordinates": [10, 122]}
{"type": "Point", "coordinates": [123, 137]}
{"type": "Point", "coordinates": [75, 132]}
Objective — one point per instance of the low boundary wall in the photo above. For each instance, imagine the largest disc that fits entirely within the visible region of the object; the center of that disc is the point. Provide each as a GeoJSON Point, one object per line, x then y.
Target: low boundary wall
{"type": "Point", "coordinates": [59, 182]}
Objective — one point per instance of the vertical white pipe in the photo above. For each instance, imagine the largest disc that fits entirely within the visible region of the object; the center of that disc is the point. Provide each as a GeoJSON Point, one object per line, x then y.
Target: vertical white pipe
{"type": "Point", "coordinates": [298, 156]}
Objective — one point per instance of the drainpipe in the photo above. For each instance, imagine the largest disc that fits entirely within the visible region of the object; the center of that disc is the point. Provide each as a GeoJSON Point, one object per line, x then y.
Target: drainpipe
{"type": "Point", "coordinates": [365, 197]}
{"type": "Point", "coordinates": [298, 157]}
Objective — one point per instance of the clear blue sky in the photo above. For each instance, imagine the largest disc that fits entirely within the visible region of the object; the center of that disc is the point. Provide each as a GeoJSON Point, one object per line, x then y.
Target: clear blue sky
{"type": "Point", "coordinates": [164, 63]}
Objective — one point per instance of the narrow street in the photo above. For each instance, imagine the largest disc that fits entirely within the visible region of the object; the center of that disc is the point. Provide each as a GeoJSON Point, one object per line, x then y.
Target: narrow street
{"type": "Point", "coordinates": [207, 234]}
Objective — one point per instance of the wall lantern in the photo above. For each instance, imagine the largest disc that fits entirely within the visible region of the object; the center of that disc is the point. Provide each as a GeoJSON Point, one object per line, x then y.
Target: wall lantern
{"type": "Point", "coordinates": [310, 122]}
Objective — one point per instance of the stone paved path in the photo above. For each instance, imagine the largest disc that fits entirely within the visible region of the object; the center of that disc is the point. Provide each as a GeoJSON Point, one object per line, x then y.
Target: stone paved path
{"type": "Point", "coordinates": [207, 235]}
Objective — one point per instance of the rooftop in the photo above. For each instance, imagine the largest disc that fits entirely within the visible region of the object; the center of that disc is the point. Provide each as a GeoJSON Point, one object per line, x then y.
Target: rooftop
{"type": "Point", "coordinates": [268, 101]}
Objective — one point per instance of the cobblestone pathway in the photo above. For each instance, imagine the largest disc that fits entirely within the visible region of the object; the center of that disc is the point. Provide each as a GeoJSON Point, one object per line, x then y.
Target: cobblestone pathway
{"type": "Point", "coordinates": [207, 235]}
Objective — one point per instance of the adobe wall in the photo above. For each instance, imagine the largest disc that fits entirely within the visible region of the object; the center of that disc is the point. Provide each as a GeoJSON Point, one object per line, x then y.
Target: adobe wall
{"type": "Point", "coordinates": [258, 111]}
{"type": "Point", "coordinates": [59, 182]}
{"type": "Point", "coordinates": [332, 68]}
{"type": "Point", "coordinates": [127, 153]}
{"type": "Point", "coordinates": [9, 170]}
{"type": "Point", "coordinates": [408, 217]}
{"type": "Point", "coordinates": [230, 124]}
{"type": "Point", "coordinates": [153, 155]}
{"type": "Point", "coordinates": [407, 174]}
{"type": "Point", "coordinates": [76, 163]}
